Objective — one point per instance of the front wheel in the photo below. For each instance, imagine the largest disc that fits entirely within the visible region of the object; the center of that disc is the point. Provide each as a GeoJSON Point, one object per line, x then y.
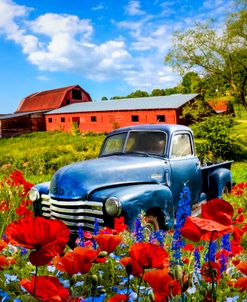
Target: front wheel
{"type": "Point", "coordinates": [151, 223]}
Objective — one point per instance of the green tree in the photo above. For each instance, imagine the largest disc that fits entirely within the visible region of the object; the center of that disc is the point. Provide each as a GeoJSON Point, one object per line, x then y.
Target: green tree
{"type": "Point", "coordinates": [191, 83]}
{"type": "Point", "coordinates": [104, 98]}
{"type": "Point", "coordinates": [138, 94]}
{"type": "Point", "coordinates": [158, 92]}
{"type": "Point", "coordinates": [220, 138]}
{"type": "Point", "coordinates": [217, 54]}
{"type": "Point", "coordinates": [195, 112]}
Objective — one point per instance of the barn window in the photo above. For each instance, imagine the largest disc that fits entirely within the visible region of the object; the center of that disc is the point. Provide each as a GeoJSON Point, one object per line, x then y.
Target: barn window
{"type": "Point", "coordinates": [50, 120]}
{"type": "Point", "coordinates": [76, 94]}
{"type": "Point", "coordinates": [62, 119]}
{"type": "Point", "coordinates": [67, 101]}
{"type": "Point", "coordinates": [93, 118]}
{"type": "Point", "coordinates": [134, 118]}
{"type": "Point", "coordinates": [160, 118]}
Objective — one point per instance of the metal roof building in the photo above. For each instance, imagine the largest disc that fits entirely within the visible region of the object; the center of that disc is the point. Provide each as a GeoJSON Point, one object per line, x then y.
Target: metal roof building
{"type": "Point", "coordinates": [104, 116]}
{"type": "Point", "coordinates": [174, 101]}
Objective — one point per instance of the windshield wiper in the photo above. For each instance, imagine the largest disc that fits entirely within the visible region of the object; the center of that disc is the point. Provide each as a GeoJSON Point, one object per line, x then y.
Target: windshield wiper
{"type": "Point", "coordinates": [113, 153]}
{"type": "Point", "coordinates": [138, 153]}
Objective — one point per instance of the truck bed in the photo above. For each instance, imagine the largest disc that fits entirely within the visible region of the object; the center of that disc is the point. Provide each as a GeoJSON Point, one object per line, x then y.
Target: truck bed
{"type": "Point", "coordinates": [207, 170]}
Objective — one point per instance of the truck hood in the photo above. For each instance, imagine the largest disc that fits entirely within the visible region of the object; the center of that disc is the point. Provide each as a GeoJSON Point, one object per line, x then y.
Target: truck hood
{"type": "Point", "coordinates": [77, 180]}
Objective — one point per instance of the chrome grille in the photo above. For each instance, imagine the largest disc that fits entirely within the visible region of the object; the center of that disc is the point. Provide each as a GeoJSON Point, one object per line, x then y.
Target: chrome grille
{"type": "Point", "coordinates": [73, 213]}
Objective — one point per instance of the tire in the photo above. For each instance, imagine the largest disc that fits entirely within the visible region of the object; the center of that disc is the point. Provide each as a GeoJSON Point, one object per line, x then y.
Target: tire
{"type": "Point", "coordinates": [151, 223]}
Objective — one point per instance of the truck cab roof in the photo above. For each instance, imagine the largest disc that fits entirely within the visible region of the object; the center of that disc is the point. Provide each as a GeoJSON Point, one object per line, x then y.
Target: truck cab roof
{"type": "Point", "coordinates": [168, 128]}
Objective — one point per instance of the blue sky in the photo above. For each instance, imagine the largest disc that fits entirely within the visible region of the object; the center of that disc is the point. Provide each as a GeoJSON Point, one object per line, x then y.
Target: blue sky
{"type": "Point", "coordinates": [108, 47]}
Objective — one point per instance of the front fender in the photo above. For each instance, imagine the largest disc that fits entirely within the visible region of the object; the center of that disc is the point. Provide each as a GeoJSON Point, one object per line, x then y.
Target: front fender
{"type": "Point", "coordinates": [43, 188]}
{"type": "Point", "coordinates": [137, 198]}
{"type": "Point", "coordinates": [218, 180]}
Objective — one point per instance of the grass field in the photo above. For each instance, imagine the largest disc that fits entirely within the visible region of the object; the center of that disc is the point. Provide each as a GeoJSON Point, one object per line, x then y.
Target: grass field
{"type": "Point", "coordinates": [38, 155]}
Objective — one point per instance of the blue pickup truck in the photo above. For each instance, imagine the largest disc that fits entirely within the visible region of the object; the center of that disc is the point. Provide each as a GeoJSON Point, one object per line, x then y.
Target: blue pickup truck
{"type": "Point", "coordinates": [140, 169]}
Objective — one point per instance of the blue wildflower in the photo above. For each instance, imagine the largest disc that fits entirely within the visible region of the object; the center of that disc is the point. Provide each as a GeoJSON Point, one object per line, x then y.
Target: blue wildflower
{"type": "Point", "coordinates": [139, 230]}
{"type": "Point", "coordinates": [10, 278]}
{"type": "Point", "coordinates": [225, 246]}
{"type": "Point", "coordinates": [159, 236]}
{"type": "Point", "coordinates": [80, 237]}
{"type": "Point", "coordinates": [96, 227]}
{"type": "Point", "coordinates": [210, 255]}
{"type": "Point", "coordinates": [197, 258]}
{"type": "Point", "coordinates": [4, 295]}
{"type": "Point", "coordinates": [183, 211]}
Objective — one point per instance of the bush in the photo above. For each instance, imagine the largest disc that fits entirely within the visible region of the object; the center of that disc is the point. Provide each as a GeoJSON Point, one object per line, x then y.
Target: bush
{"type": "Point", "coordinates": [219, 139]}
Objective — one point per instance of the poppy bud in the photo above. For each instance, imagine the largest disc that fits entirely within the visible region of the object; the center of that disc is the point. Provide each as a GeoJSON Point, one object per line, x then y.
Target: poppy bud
{"type": "Point", "coordinates": [94, 280]}
{"type": "Point", "coordinates": [178, 272]}
{"type": "Point", "coordinates": [102, 254]}
{"type": "Point", "coordinates": [129, 268]}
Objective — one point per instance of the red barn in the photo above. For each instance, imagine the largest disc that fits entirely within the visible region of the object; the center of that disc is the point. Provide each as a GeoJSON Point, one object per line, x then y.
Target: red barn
{"type": "Point", "coordinates": [103, 116]}
{"type": "Point", "coordinates": [53, 99]}
{"type": "Point", "coordinates": [29, 116]}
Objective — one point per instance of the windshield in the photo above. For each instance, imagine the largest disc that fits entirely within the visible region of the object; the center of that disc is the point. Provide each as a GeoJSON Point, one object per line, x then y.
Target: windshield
{"type": "Point", "coordinates": [139, 142]}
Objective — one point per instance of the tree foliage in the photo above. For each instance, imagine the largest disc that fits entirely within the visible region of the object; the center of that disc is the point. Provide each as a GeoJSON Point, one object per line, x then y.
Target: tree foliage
{"type": "Point", "coordinates": [195, 112]}
{"type": "Point", "coordinates": [220, 139]}
{"type": "Point", "coordinates": [216, 54]}
{"type": "Point", "coordinates": [138, 94]}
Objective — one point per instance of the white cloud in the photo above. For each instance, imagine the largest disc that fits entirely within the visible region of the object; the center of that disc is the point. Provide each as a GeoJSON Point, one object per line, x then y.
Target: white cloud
{"type": "Point", "coordinates": [42, 78]}
{"type": "Point", "coordinates": [54, 24]}
{"type": "Point", "coordinates": [9, 12]}
{"type": "Point", "coordinates": [100, 6]}
{"type": "Point", "coordinates": [134, 8]}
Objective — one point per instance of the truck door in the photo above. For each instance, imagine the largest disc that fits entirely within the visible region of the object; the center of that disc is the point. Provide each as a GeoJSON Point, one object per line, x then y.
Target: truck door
{"type": "Point", "coordinates": [185, 166]}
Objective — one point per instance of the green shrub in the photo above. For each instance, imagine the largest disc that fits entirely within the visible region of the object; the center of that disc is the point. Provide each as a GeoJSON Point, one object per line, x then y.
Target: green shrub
{"type": "Point", "coordinates": [219, 137]}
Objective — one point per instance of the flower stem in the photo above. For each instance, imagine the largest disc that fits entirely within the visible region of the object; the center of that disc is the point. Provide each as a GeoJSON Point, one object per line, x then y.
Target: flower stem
{"type": "Point", "coordinates": [210, 267]}
{"type": "Point", "coordinates": [139, 285]}
{"type": "Point", "coordinates": [35, 280]}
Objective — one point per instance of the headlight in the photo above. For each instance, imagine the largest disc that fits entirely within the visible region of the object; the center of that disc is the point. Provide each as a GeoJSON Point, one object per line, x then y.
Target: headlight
{"type": "Point", "coordinates": [113, 206]}
{"type": "Point", "coordinates": [34, 194]}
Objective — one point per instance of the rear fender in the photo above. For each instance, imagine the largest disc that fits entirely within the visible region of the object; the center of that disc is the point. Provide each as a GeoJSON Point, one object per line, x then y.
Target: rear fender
{"type": "Point", "coordinates": [137, 198]}
{"type": "Point", "coordinates": [218, 180]}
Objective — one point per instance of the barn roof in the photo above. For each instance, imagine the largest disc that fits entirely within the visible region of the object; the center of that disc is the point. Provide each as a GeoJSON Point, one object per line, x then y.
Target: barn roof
{"type": "Point", "coordinates": [45, 100]}
{"type": "Point", "coordinates": [158, 102]}
{"type": "Point", "coordinates": [19, 114]}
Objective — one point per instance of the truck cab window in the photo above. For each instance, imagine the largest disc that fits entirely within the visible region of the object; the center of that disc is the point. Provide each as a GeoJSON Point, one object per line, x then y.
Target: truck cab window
{"type": "Point", "coordinates": [181, 145]}
{"type": "Point", "coordinates": [114, 144]}
{"type": "Point", "coordinates": [151, 142]}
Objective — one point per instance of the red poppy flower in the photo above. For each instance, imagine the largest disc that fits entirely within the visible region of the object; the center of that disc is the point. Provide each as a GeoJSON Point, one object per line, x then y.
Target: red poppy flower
{"type": "Point", "coordinates": [107, 230]}
{"type": "Point", "coordinates": [242, 267]}
{"type": "Point", "coordinates": [119, 225]}
{"type": "Point", "coordinates": [3, 244]}
{"type": "Point", "coordinates": [240, 219]}
{"type": "Point", "coordinates": [162, 284]}
{"type": "Point", "coordinates": [196, 229]}
{"type": "Point", "coordinates": [136, 268]}
{"type": "Point", "coordinates": [23, 211]}
{"type": "Point", "coordinates": [218, 210]}
{"type": "Point", "coordinates": [210, 271]}
{"type": "Point", "coordinates": [119, 298]}
{"type": "Point", "coordinates": [188, 247]}
{"type": "Point", "coordinates": [77, 261]}
{"type": "Point", "coordinates": [47, 288]}
{"type": "Point", "coordinates": [108, 242]}
{"type": "Point", "coordinates": [149, 255]}
{"type": "Point", "coordinates": [47, 237]}
{"type": "Point", "coordinates": [241, 284]}
{"type": "Point", "coordinates": [4, 262]}
{"type": "Point", "coordinates": [235, 262]}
